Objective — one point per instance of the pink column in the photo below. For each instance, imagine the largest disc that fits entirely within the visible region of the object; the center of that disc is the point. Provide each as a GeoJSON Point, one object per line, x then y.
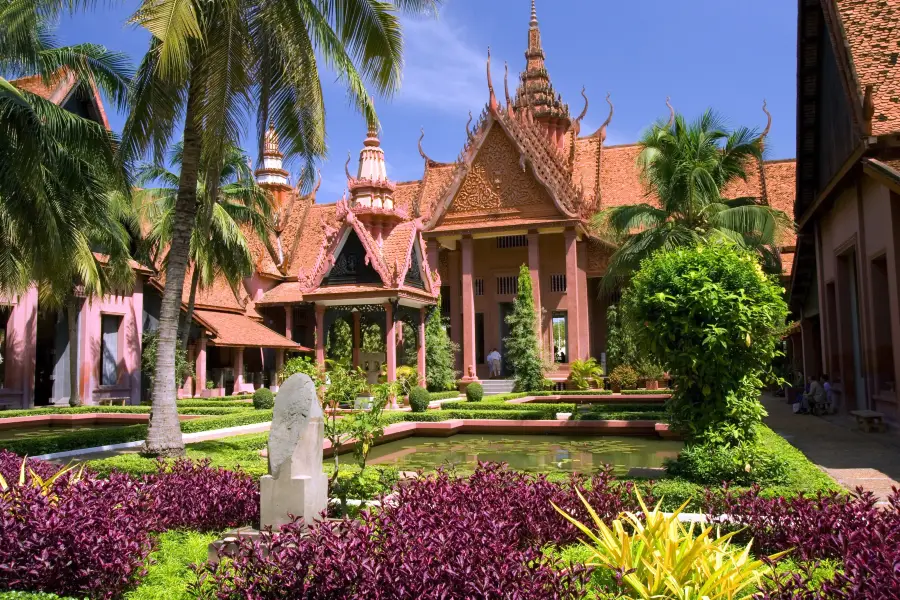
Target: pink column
{"type": "Point", "coordinates": [134, 337]}
{"type": "Point", "coordinates": [289, 321]}
{"type": "Point", "coordinates": [200, 365]}
{"type": "Point", "coordinates": [187, 389]}
{"type": "Point", "coordinates": [534, 269]}
{"type": "Point", "coordinates": [320, 335]}
{"type": "Point", "coordinates": [21, 346]}
{"type": "Point", "coordinates": [357, 338]}
{"type": "Point", "coordinates": [573, 295]}
{"type": "Point", "coordinates": [421, 360]}
{"type": "Point", "coordinates": [432, 252]}
{"type": "Point", "coordinates": [584, 324]}
{"type": "Point", "coordinates": [239, 384]}
{"type": "Point", "coordinates": [468, 311]}
{"type": "Point", "coordinates": [456, 328]}
{"type": "Point", "coordinates": [279, 364]}
{"type": "Point", "coordinates": [390, 342]}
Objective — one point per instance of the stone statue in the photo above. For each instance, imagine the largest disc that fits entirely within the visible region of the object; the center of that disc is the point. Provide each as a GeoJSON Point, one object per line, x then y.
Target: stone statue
{"type": "Point", "coordinates": [296, 484]}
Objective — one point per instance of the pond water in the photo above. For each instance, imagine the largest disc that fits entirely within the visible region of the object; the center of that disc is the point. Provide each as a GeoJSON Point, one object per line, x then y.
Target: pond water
{"type": "Point", "coordinates": [34, 432]}
{"type": "Point", "coordinates": [533, 453]}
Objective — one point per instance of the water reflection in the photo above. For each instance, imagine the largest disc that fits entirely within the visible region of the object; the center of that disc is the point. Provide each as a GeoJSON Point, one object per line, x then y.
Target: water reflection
{"type": "Point", "coordinates": [533, 453]}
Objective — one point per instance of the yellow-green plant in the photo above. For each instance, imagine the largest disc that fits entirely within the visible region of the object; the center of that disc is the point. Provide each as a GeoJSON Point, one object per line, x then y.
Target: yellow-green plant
{"type": "Point", "coordinates": [662, 558]}
{"type": "Point", "coordinates": [44, 485]}
{"type": "Point", "coordinates": [582, 373]}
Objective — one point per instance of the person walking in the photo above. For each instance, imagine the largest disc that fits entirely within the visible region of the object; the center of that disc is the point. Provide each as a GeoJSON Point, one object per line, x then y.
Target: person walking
{"type": "Point", "coordinates": [493, 360]}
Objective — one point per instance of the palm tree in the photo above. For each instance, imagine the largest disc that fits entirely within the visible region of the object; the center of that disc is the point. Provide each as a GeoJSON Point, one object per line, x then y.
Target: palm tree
{"type": "Point", "coordinates": [211, 63]}
{"type": "Point", "coordinates": [218, 243]}
{"type": "Point", "coordinates": [56, 167]}
{"type": "Point", "coordinates": [687, 166]}
{"type": "Point", "coordinates": [63, 196]}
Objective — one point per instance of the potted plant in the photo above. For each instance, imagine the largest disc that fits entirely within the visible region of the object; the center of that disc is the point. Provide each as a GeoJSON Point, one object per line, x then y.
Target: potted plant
{"type": "Point", "coordinates": [623, 377]}
{"type": "Point", "coordinates": [584, 373]}
{"type": "Point", "coordinates": [650, 373]}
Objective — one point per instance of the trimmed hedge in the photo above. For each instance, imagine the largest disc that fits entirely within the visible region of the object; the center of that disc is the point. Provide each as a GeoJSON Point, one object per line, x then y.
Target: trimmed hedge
{"type": "Point", "coordinates": [622, 416]}
{"type": "Point", "coordinates": [474, 392]}
{"type": "Point", "coordinates": [663, 392]}
{"type": "Point", "coordinates": [505, 397]}
{"type": "Point", "coordinates": [419, 399]}
{"type": "Point", "coordinates": [206, 403]}
{"type": "Point", "coordinates": [78, 439]}
{"type": "Point", "coordinates": [469, 406]}
{"type": "Point", "coordinates": [263, 399]}
{"type": "Point", "coordinates": [445, 395]}
{"type": "Point", "coordinates": [436, 416]}
{"type": "Point", "coordinates": [126, 410]}
{"type": "Point", "coordinates": [571, 393]}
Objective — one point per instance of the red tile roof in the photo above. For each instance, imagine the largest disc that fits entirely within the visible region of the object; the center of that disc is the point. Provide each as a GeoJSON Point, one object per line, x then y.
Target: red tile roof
{"type": "Point", "coordinates": [231, 329]}
{"type": "Point", "coordinates": [872, 28]}
{"type": "Point", "coordinates": [55, 90]}
{"type": "Point", "coordinates": [283, 293]}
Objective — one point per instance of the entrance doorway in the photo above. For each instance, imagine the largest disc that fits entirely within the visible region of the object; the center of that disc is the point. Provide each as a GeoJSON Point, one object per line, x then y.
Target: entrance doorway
{"type": "Point", "coordinates": [51, 369]}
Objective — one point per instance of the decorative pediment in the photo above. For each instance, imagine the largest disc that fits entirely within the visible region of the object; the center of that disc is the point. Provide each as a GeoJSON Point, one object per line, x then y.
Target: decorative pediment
{"type": "Point", "coordinates": [499, 181]}
{"type": "Point", "coordinates": [352, 264]}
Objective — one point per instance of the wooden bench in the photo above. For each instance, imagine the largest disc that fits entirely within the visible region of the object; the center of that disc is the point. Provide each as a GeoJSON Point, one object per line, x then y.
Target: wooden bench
{"type": "Point", "coordinates": [113, 401]}
{"type": "Point", "coordinates": [869, 420]}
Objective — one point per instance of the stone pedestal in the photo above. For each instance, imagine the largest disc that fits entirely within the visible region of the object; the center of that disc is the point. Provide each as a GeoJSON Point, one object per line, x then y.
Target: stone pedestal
{"type": "Point", "coordinates": [296, 484]}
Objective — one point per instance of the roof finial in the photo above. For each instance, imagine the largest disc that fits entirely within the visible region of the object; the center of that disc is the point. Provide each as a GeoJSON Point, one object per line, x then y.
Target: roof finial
{"type": "Point", "coordinates": [347, 165]}
{"type": "Point", "coordinates": [534, 20]}
{"type": "Point", "coordinates": [601, 133]}
{"type": "Point", "coordinates": [493, 99]}
{"type": "Point", "coordinates": [421, 151]}
{"type": "Point", "coordinates": [506, 86]}
{"type": "Point", "coordinates": [585, 109]}
{"type": "Point", "coordinates": [768, 122]}
{"type": "Point", "coordinates": [469, 135]}
{"type": "Point", "coordinates": [671, 113]}
{"type": "Point", "coordinates": [318, 183]}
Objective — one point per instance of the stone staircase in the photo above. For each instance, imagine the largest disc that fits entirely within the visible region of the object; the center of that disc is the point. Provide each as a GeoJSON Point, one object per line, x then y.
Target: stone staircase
{"type": "Point", "coordinates": [493, 387]}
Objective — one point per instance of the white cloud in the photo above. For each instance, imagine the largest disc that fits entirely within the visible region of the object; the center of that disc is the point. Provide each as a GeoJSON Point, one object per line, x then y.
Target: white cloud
{"type": "Point", "coordinates": [442, 69]}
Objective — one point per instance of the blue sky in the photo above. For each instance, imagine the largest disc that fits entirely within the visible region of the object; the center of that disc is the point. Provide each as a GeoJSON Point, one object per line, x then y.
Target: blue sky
{"type": "Point", "coordinates": [728, 55]}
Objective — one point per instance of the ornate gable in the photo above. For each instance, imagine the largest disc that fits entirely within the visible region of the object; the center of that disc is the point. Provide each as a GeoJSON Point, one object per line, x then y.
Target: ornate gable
{"type": "Point", "coordinates": [497, 182]}
{"type": "Point", "coordinates": [352, 264]}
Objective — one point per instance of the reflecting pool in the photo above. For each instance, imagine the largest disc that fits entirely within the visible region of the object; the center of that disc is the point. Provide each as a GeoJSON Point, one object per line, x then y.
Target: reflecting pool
{"type": "Point", "coordinates": [533, 453]}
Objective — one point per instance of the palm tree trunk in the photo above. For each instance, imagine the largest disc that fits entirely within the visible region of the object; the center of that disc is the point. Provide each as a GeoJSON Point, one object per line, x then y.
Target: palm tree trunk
{"type": "Point", "coordinates": [164, 432]}
{"type": "Point", "coordinates": [195, 281]}
{"type": "Point", "coordinates": [72, 321]}
{"type": "Point", "coordinates": [189, 315]}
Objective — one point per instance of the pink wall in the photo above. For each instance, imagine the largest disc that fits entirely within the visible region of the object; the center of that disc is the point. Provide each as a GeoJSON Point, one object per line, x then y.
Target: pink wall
{"type": "Point", "coordinates": [21, 333]}
{"type": "Point", "coordinates": [864, 219]}
{"type": "Point", "coordinates": [130, 308]}
{"type": "Point", "coordinates": [491, 262]}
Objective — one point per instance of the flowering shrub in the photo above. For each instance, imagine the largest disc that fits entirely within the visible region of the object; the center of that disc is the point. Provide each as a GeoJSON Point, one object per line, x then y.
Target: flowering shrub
{"type": "Point", "coordinates": [864, 536]}
{"type": "Point", "coordinates": [193, 495]}
{"type": "Point", "coordinates": [439, 537]}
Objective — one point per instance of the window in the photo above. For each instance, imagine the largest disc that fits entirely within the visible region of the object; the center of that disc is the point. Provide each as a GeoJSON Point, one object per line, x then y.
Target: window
{"type": "Point", "coordinates": [479, 287]}
{"type": "Point", "coordinates": [560, 337]}
{"type": "Point", "coordinates": [109, 349]}
{"type": "Point", "coordinates": [512, 241]}
{"type": "Point", "coordinates": [558, 283]}
{"type": "Point", "coordinates": [507, 285]}
{"type": "Point", "coordinates": [479, 338]}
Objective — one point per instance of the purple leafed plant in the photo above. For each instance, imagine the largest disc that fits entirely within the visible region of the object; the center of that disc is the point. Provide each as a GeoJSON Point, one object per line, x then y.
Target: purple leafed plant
{"type": "Point", "coordinates": [864, 536]}
{"type": "Point", "coordinates": [193, 495]}
{"type": "Point", "coordinates": [87, 537]}
{"type": "Point", "coordinates": [438, 537]}
{"type": "Point", "coordinates": [91, 536]}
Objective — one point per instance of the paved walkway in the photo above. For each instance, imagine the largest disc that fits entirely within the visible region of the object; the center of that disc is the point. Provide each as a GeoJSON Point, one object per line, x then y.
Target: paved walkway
{"type": "Point", "coordinates": [853, 458]}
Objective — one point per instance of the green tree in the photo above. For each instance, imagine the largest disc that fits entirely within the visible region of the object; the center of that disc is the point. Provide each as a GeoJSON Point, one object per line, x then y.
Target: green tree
{"type": "Point", "coordinates": [687, 166]}
{"type": "Point", "coordinates": [207, 65]}
{"type": "Point", "coordinates": [409, 354]}
{"type": "Point", "coordinates": [218, 240]}
{"type": "Point", "coordinates": [522, 347]}
{"type": "Point", "coordinates": [63, 194]}
{"type": "Point", "coordinates": [714, 319]}
{"type": "Point", "coordinates": [372, 338]}
{"type": "Point", "coordinates": [339, 342]}
{"type": "Point", "coordinates": [440, 353]}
